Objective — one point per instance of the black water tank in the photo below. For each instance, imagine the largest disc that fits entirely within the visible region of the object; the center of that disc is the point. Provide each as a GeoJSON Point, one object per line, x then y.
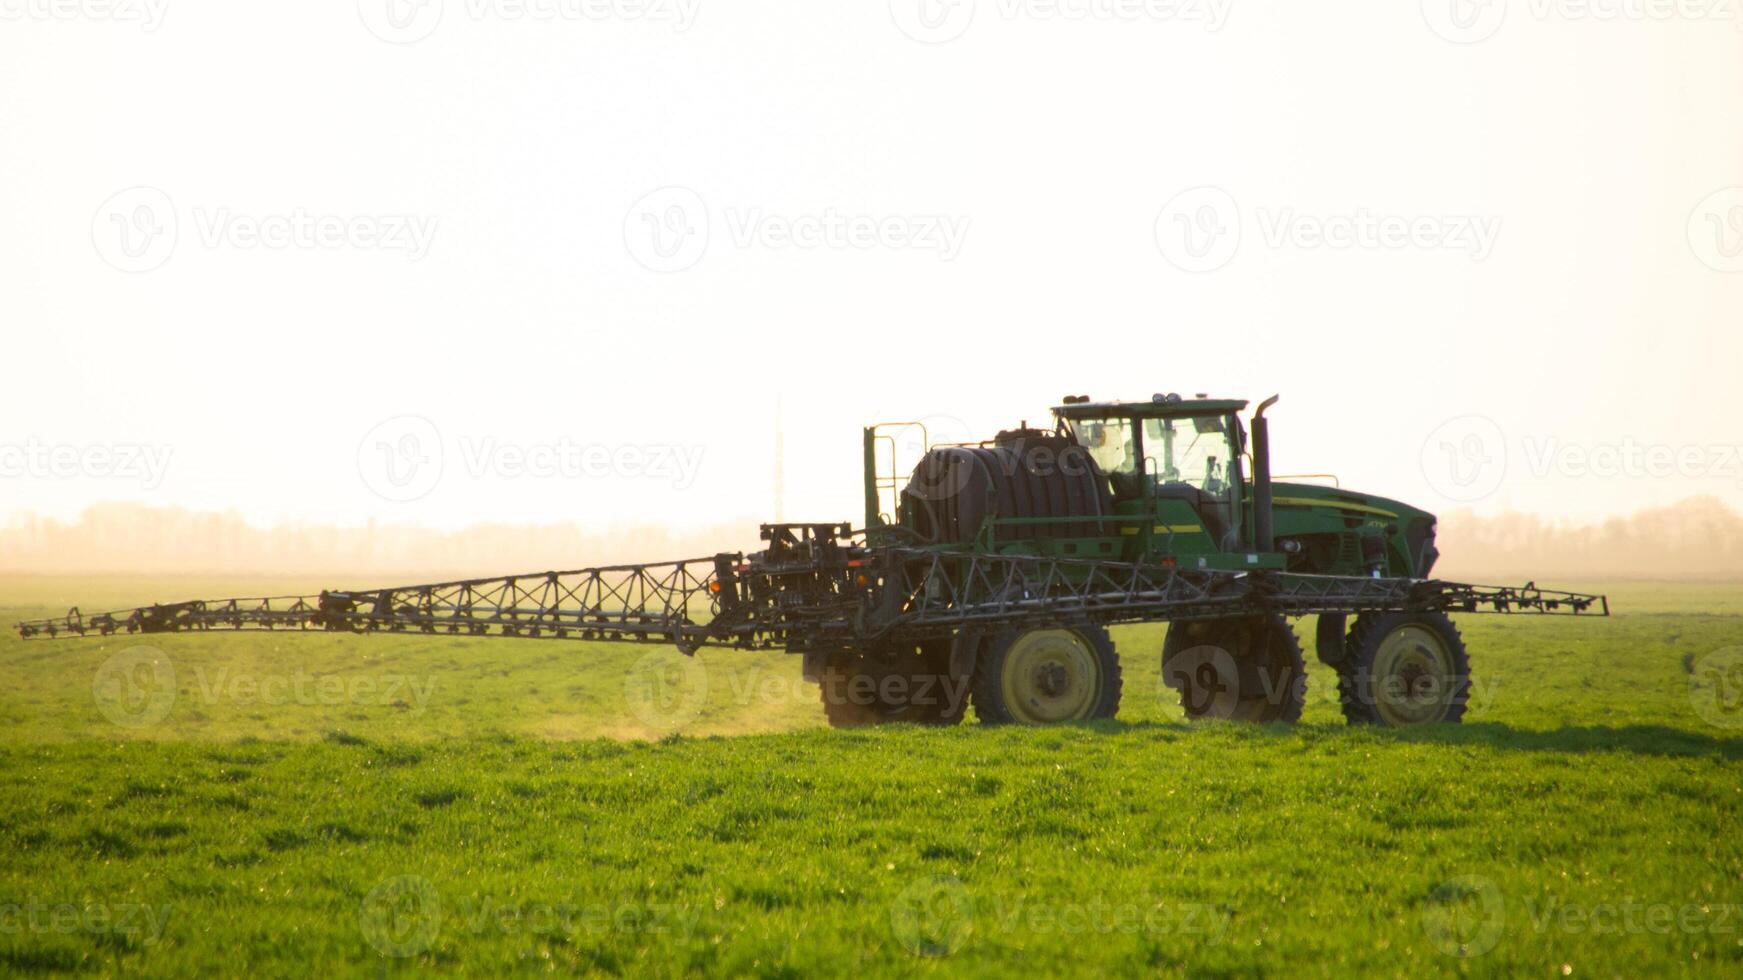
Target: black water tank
{"type": "Point", "coordinates": [1024, 473]}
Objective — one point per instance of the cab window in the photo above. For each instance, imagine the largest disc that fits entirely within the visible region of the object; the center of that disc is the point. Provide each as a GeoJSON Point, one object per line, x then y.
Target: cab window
{"type": "Point", "coordinates": [1195, 451]}
{"type": "Point", "coordinates": [1110, 443]}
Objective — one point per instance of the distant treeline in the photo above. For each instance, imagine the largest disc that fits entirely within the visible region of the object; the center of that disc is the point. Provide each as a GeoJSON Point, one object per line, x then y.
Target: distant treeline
{"type": "Point", "coordinates": [1698, 538]}
{"type": "Point", "coordinates": [133, 538]}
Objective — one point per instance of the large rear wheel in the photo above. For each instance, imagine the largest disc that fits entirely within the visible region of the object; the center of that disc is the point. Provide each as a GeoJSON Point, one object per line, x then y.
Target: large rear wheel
{"type": "Point", "coordinates": [1404, 669]}
{"type": "Point", "coordinates": [1245, 668]}
{"type": "Point", "coordinates": [1047, 676]}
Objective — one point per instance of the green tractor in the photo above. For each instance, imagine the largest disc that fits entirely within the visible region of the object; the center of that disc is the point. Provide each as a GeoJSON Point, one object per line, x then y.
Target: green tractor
{"type": "Point", "coordinates": [1177, 483]}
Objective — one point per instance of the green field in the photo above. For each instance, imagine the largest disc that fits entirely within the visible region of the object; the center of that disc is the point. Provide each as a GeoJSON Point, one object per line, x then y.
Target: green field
{"type": "Point", "coordinates": [278, 804]}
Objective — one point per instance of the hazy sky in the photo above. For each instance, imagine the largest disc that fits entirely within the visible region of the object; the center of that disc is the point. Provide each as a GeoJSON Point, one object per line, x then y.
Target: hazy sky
{"type": "Point", "coordinates": [492, 260]}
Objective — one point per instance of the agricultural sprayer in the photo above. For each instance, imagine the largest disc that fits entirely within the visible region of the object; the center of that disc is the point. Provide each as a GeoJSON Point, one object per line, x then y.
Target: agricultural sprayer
{"type": "Point", "coordinates": [994, 572]}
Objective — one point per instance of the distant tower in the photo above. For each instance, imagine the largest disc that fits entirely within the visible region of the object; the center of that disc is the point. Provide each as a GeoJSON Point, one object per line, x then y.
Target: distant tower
{"type": "Point", "coordinates": [780, 470]}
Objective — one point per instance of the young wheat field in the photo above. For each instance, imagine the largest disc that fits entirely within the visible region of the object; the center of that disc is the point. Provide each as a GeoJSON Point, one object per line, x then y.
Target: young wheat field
{"type": "Point", "coordinates": [283, 804]}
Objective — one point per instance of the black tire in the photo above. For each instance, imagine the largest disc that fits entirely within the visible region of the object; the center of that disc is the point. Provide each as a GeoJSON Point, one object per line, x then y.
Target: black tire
{"type": "Point", "coordinates": [1067, 678]}
{"type": "Point", "coordinates": [1402, 669]}
{"type": "Point", "coordinates": [909, 684]}
{"type": "Point", "coordinates": [1331, 639]}
{"type": "Point", "coordinates": [1245, 668]}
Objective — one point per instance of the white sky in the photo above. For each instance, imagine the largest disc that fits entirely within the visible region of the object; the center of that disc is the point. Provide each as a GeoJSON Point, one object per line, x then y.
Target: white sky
{"type": "Point", "coordinates": [527, 149]}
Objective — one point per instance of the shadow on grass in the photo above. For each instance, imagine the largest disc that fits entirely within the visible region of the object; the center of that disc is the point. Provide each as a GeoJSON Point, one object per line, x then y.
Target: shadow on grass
{"type": "Point", "coordinates": [1648, 740]}
{"type": "Point", "coordinates": [1653, 740]}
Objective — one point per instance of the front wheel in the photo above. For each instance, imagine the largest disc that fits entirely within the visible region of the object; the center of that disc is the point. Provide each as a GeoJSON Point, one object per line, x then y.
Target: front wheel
{"type": "Point", "coordinates": [1047, 676]}
{"type": "Point", "coordinates": [1403, 669]}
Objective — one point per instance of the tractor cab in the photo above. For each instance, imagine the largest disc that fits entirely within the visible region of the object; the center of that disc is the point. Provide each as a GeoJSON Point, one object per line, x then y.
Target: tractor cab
{"type": "Point", "coordinates": [1176, 458]}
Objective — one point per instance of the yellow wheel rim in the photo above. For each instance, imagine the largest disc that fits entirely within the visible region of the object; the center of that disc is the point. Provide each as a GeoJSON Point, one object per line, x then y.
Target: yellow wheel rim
{"type": "Point", "coordinates": [1412, 679]}
{"type": "Point", "coordinates": [1051, 676]}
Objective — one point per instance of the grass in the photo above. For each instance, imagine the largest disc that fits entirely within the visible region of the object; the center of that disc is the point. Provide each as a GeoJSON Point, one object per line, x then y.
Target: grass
{"type": "Point", "coordinates": [299, 804]}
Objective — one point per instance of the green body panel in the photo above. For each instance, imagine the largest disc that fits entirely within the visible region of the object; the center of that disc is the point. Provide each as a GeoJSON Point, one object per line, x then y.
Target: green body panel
{"type": "Point", "coordinates": [1316, 529]}
{"type": "Point", "coordinates": [1330, 523]}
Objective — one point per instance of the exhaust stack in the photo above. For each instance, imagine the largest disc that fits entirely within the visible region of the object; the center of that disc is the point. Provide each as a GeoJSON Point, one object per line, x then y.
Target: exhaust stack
{"type": "Point", "coordinates": [1262, 537]}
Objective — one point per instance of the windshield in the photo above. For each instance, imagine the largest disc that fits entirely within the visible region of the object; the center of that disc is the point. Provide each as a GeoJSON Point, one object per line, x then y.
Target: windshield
{"type": "Point", "coordinates": [1194, 451]}
{"type": "Point", "coordinates": [1110, 443]}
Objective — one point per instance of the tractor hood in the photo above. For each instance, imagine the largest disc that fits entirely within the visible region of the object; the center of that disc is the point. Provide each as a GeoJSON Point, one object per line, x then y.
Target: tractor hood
{"type": "Point", "coordinates": [1334, 531]}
